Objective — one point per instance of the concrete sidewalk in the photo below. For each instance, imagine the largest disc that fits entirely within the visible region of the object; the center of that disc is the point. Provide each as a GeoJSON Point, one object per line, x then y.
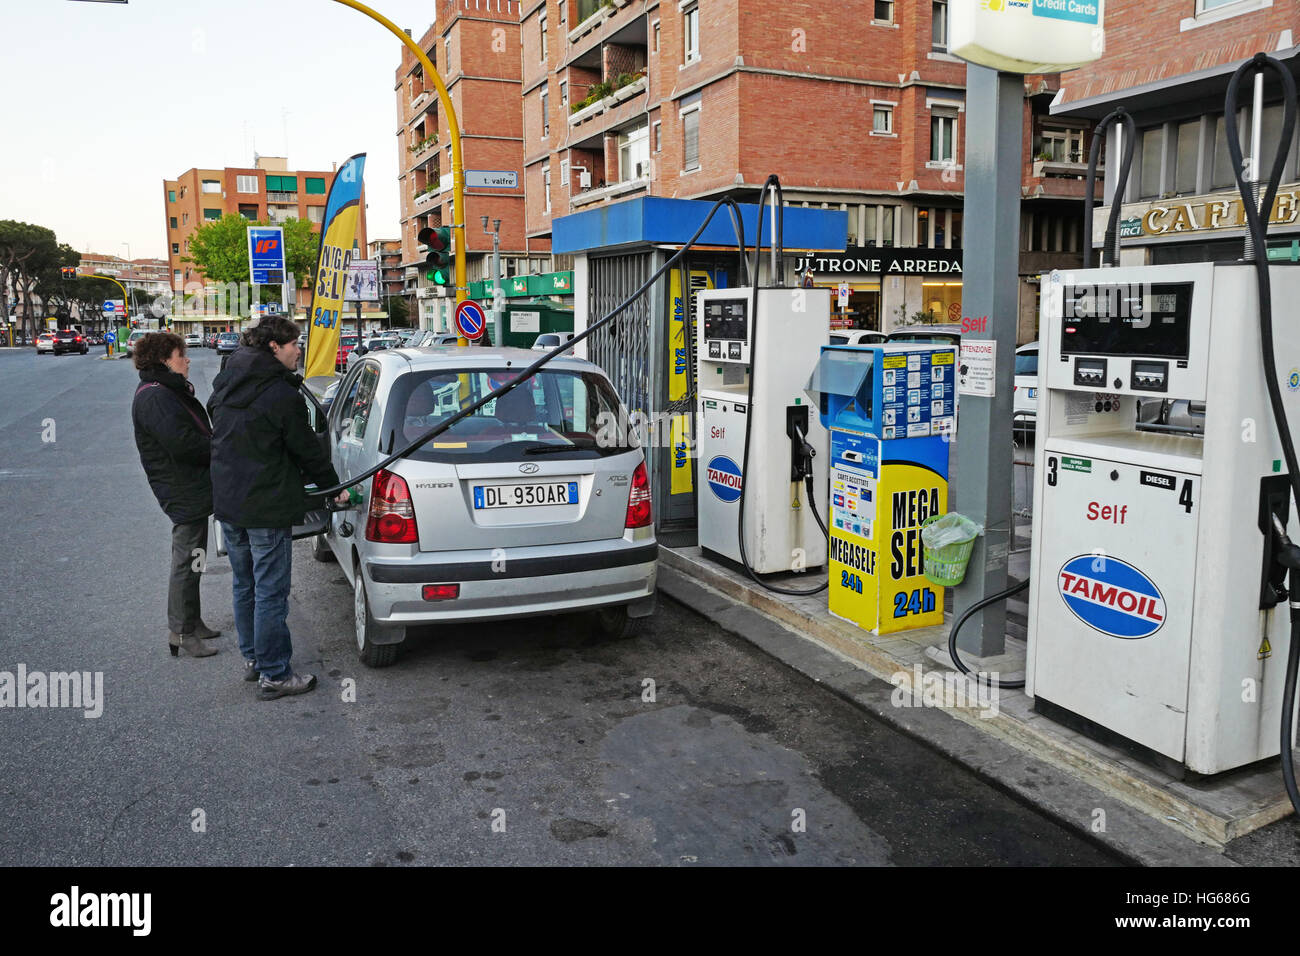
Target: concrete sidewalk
{"type": "Point", "coordinates": [1132, 808]}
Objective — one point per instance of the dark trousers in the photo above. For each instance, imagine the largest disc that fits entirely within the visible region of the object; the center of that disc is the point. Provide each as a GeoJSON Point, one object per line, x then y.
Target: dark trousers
{"type": "Point", "coordinates": [187, 569]}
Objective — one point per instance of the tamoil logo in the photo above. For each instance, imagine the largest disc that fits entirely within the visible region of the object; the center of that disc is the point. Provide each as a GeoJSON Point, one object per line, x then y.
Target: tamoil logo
{"type": "Point", "coordinates": [1111, 596]}
{"type": "Point", "coordinates": [723, 476]}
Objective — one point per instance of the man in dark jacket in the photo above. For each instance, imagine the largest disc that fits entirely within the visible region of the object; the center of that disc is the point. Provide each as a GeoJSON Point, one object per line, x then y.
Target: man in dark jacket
{"type": "Point", "coordinates": [173, 437]}
{"type": "Point", "coordinates": [263, 452]}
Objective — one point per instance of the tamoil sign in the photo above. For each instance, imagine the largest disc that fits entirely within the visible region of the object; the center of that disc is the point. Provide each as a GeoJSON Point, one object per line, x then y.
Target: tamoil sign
{"type": "Point", "coordinates": [1111, 596]}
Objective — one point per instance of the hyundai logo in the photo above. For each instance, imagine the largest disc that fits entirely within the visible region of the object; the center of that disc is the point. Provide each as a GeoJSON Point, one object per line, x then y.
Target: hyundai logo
{"type": "Point", "coordinates": [528, 468]}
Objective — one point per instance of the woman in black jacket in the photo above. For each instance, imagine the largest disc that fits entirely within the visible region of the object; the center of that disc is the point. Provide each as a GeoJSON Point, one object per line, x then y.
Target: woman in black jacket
{"type": "Point", "coordinates": [174, 436]}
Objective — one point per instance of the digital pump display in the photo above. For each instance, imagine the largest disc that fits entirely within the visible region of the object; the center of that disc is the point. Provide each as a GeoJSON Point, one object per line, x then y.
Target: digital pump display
{"type": "Point", "coordinates": [726, 319]}
{"type": "Point", "coordinates": [1127, 319]}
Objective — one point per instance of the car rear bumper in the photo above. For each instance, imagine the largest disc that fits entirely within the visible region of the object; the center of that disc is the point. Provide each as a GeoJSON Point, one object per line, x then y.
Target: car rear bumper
{"type": "Point", "coordinates": [520, 582]}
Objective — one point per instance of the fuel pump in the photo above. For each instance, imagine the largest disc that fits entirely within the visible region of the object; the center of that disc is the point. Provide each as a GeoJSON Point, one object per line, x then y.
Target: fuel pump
{"type": "Point", "coordinates": [1152, 607]}
{"type": "Point", "coordinates": [787, 442]}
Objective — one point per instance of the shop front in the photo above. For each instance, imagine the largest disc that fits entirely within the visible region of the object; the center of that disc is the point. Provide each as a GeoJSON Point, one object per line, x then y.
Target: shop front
{"type": "Point", "coordinates": [887, 288]}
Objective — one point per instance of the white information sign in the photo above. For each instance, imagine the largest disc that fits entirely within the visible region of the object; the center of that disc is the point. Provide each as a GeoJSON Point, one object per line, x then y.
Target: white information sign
{"type": "Point", "coordinates": [525, 321]}
{"type": "Point", "coordinates": [1026, 36]}
{"type": "Point", "coordinates": [491, 179]}
{"type": "Point", "coordinates": [976, 374]}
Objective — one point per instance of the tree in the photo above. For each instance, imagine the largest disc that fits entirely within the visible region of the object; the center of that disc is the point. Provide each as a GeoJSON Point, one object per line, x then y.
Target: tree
{"type": "Point", "coordinates": [57, 293]}
{"type": "Point", "coordinates": [25, 251]}
{"type": "Point", "coordinates": [397, 311]}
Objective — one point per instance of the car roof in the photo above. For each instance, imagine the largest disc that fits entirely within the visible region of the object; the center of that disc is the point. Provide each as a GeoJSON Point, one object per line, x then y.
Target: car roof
{"type": "Point", "coordinates": [435, 357]}
{"type": "Point", "coordinates": [1026, 347]}
{"type": "Point", "coordinates": [927, 330]}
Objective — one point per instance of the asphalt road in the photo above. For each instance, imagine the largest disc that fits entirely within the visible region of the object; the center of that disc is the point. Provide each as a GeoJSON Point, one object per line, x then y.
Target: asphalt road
{"type": "Point", "coordinates": [520, 743]}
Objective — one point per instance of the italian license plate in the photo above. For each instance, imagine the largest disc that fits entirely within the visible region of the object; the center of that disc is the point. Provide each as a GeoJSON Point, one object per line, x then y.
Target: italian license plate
{"type": "Point", "coordinates": [539, 493]}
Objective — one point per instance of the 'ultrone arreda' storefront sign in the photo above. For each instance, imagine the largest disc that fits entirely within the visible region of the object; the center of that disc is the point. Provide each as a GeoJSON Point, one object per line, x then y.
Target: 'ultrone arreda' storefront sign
{"type": "Point", "coordinates": [870, 260]}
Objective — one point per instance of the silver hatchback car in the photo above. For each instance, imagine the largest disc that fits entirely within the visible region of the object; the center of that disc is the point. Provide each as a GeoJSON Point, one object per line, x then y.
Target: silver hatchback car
{"type": "Point", "coordinates": [535, 504]}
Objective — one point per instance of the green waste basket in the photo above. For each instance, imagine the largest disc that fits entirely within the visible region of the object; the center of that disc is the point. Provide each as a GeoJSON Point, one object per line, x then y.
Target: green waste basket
{"type": "Point", "coordinates": [948, 541]}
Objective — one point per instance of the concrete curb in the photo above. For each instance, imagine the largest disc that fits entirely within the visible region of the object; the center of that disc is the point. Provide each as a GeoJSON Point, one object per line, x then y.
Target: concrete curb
{"type": "Point", "coordinates": [1071, 802]}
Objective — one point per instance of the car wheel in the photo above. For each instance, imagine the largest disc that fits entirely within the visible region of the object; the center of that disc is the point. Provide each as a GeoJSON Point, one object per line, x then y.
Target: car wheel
{"type": "Point", "coordinates": [615, 624]}
{"type": "Point", "coordinates": [321, 550]}
{"type": "Point", "coordinates": [371, 654]}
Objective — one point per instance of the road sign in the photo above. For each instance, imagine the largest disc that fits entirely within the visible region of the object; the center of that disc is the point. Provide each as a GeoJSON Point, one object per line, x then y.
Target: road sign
{"type": "Point", "coordinates": [470, 320]}
{"type": "Point", "coordinates": [110, 338]}
{"type": "Point", "coordinates": [266, 254]}
{"type": "Point", "coordinates": [114, 305]}
{"type": "Point", "coordinates": [491, 179]}
{"type": "Point", "coordinates": [843, 295]}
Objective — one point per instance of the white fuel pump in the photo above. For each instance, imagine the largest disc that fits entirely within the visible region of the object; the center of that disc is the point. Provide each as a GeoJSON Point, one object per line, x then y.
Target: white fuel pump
{"type": "Point", "coordinates": [1155, 611]}
{"type": "Point", "coordinates": [778, 353]}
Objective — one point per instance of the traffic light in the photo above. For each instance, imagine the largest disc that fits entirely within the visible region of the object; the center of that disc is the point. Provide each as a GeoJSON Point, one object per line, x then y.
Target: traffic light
{"type": "Point", "coordinates": [438, 268]}
{"type": "Point", "coordinates": [68, 272]}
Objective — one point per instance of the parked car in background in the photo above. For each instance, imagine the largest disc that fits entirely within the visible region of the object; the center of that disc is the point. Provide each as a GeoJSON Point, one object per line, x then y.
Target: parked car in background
{"type": "Point", "coordinates": [45, 343]}
{"type": "Point", "coordinates": [227, 342]}
{"type": "Point", "coordinates": [194, 340]}
{"type": "Point", "coordinates": [70, 340]}
{"type": "Point", "coordinates": [927, 335]}
{"type": "Point", "coordinates": [1024, 397]}
{"type": "Point", "coordinates": [347, 342]}
{"type": "Point", "coordinates": [857, 337]}
{"type": "Point", "coordinates": [134, 337]}
{"type": "Point", "coordinates": [549, 340]}
{"type": "Point", "coordinates": [524, 472]}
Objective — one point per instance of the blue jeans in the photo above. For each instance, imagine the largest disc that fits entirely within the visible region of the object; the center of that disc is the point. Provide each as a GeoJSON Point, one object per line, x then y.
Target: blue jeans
{"type": "Point", "coordinates": [262, 561]}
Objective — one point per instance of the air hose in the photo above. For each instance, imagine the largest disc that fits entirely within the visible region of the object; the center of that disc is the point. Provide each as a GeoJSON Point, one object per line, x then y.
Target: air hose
{"type": "Point", "coordinates": [1257, 229]}
{"type": "Point", "coordinates": [772, 184]}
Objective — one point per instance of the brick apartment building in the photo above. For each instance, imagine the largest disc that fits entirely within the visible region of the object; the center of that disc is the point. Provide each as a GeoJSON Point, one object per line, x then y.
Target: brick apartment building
{"type": "Point", "coordinates": [856, 106]}
{"type": "Point", "coordinates": [475, 46]}
{"type": "Point", "coordinates": [268, 190]}
{"type": "Point", "coordinates": [1168, 63]}
{"type": "Point", "coordinates": [389, 254]}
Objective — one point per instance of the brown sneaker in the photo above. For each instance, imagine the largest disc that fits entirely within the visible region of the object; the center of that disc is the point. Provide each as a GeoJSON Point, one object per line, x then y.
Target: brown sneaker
{"type": "Point", "coordinates": [291, 686]}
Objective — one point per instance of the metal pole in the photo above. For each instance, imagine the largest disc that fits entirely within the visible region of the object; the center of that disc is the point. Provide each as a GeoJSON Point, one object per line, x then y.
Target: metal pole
{"type": "Point", "coordinates": [498, 321]}
{"type": "Point", "coordinates": [983, 470]}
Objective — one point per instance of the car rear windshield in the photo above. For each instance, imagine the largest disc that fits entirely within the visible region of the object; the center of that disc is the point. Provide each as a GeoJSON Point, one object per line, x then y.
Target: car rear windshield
{"type": "Point", "coordinates": [926, 338]}
{"type": "Point", "coordinates": [1026, 363]}
{"type": "Point", "coordinates": [348, 340]}
{"type": "Point", "coordinates": [556, 413]}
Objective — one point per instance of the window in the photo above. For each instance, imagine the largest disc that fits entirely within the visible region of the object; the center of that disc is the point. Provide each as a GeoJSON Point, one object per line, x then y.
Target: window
{"type": "Point", "coordinates": [212, 185]}
{"type": "Point", "coordinates": [1185, 162]}
{"type": "Point", "coordinates": [1222, 177]}
{"type": "Point", "coordinates": [564, 92]}
{"type": "Point", "coordinates": [171, 221]}
{"type": "Point", "coordinates": [691, 140]}
{"type": "Point", "coordinates": [176, 278]}
{"type": "Point", "coordinates": [541, 29]}
{"type": "Point", "coordinates": [633, 154]}
{"type": "Point", "coordinates": [282, 184]}
{"type": "Point", "coordinates": [1153, 141]}
{"type": "Point", "coordinates": [546, 190]}
{"type": "Point", "coordinates": [546, 114]}
{"type": "Point", "coordinates": [1063, 145]}
{"type": "Point", "coordinates": [882, 119]}
{"type": "Point", "coordinates": [185, 218]}
{"type": "Point", "coordinates": [171, 195]}
{"type": "Point", "coordinates": [248, 211]}
{"type": "Point", "coordinates": [176, 248]}
{"type": "Point", "coordinates": [691, 33]}
{"type": "Point", "coordinates": [884, 11]}
{"type": "Point", "coordinates": [943, 135]}
{"type": "Point", "coordinates": [246, 184]}
{"type": "Point", "coordinates": [315, 213]}
{"type": "Point", "coordinates": [886, 225]}
{"type": "Point", "coordinates": [658, 136]}
{"type": "Point", "coordinates": [446, 53]}
{"type": "Point", "coordinates": [1203, 5]}
{"type": "Point", "coordinates": [315, 185]}
{"type": "Point", "coordinates": [939, 25]}
{"type": "Point", "coordinates": [654, 46]}
{"type": "Point", "coordinates": [211, 215]}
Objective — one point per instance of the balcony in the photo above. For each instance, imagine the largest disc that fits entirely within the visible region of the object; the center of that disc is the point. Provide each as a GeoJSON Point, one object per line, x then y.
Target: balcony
{"type": "Point", "coordinates": [605, 97]}
{"type": "Point", "coordinates": [421, 98]}
{"type": "Point", "coordinates": [422, 151]}
{"type": "Point", "coordinates": [282, 197]}
{"type": "Point", "coordinates": [609, 192]}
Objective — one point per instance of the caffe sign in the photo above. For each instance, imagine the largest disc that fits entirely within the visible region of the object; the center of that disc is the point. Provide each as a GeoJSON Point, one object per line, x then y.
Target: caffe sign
{"type": "Point", "coordinates": [1196, 215]}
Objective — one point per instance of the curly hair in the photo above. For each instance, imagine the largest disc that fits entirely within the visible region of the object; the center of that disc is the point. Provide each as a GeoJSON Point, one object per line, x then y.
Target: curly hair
{"type": "Point", "coordinates": [156, 348]}
{"type": "Point", "coordinates": [273, 328]}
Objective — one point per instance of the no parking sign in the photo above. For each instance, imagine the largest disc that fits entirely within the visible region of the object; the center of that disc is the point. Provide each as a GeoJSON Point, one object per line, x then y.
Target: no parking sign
{"type": "Point", "coordinates": [470, 320]}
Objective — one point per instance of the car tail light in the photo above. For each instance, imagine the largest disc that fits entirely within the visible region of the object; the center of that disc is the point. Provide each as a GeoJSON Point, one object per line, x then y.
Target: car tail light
{"type": "Point", "coordinates": [440, 592]}
{"type": "Point", "coordinates": [392, 516]}
{"type": "Point", "coordinates": [638, 499]}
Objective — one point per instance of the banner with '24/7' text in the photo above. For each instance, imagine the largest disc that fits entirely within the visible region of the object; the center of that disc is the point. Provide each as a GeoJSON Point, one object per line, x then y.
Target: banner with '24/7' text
{"type": "Point", "coordinates": [338, 232]}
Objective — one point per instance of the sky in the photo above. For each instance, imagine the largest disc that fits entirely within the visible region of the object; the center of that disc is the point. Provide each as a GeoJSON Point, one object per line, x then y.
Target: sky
{"type": "Point", "coordinates": [103, 101]}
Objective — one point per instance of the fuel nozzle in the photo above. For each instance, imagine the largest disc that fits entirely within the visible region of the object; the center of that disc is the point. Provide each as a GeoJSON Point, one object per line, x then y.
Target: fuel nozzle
{"type": "Point", "coordinates": [1287, 553]}
{"type": "Point", "coordinates": [801, 451]}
